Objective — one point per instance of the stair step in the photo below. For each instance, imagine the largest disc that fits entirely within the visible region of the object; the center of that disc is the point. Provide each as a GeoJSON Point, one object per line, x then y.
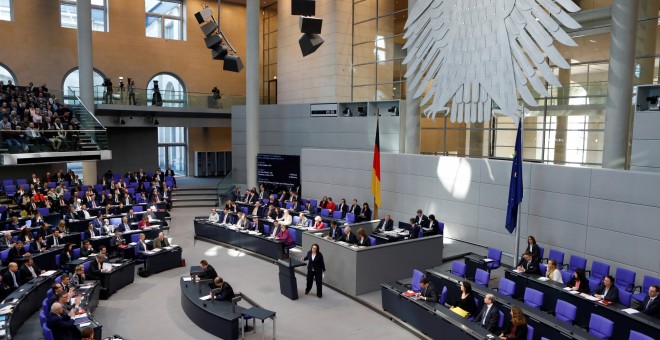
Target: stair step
{"type": "Point", "coordinates": [195, 198]}
{"type": "Point", "coordinates": [193, 204]}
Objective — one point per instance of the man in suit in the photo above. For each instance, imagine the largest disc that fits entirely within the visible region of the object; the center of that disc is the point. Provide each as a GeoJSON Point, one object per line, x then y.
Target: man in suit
{"type": "Point", "coordinates": [55, 240]}
{"type": "Point", "coordinates": [6, 241]}
{"type": "Point", "coordinates": [528, 264]}
{"type": "Point", "coordinates": [489, 315]}
{"type": "Point", "coordinates": [38, 245]}
{"type": "Point", "coordinates": [209, 271]}
{"type": "Point", "coordinates": [342, 207]}
{"type": "Point", "coordinates": [131, 217]}
{"type": "Point", "coordinates": [257, 225]}
{"type": "Point", "coordinates": [83, 214]}
{"type": "Point", "coordinates": [17, 252]}
{"type": "Point", "coordinates": [142, 245]}
{"type": "Point", "coordinates": [29, 271]}
{"type": "Point", "coordinates": [123, 226]}
{"type": "Point", "coordinates": [116, 240]}
{"type": "Point", "coordinates": [61, 324]}
{"type": "Point", "coordinates": [434, 226]}
{"type": "Point", "coordinates": [386, 224]}
{"type": "Point", "coordinates": [72, 215]}
{"type": "Point", "coordinates": [161, 241]}
{"type": "Point", "coordinates": [96, 267]}
{"type": "Point", "coordinates": [91, 232]}
{"type": "Point", "coordinates": [651, 304]}
{"type": "Point", "coordinates": [98, 223]}
{"type": "Point", "coordinates": [428, 292]}
{"type": "Point", "coordinates": [44, 231]}
{"type": "Point", "coordinates": [170, 173]}
{"type": "Point", "coordinates": [354, 208]}
{"type": "Point", "coordinates": [242, 222]}
{"type": "Point", "coordinates": [12, 277]}
{"type": "Point", "coordinates": [421, 219]}
{"type": "Point", "coordinates": [66, 282]}
{"type": "Point", "coordinates": [348, 236]}
{"type": "Point", "coordinates": [607, 290]}
{"type": "Point", "coordinates": [416, 228]}
{"type": "Point", "coordinates": [256, 211]}
{"type": "Point", "coordinates": [335, 232]}
{"type": "Point", "coordinates": [222, 290]}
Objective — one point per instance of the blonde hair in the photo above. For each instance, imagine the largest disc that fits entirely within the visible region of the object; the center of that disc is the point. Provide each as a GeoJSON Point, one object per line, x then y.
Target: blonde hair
{"type": "Point", "coordinates": [551, 270]}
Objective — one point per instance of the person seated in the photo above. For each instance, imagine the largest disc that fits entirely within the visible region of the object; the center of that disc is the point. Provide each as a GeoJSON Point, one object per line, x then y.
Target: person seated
{"type": "Point", "coordinates": [96, 267]}
{"type": "Point", "coordinates": [214, 217]}
{"type": "Point", "coordinates": [7, 240]}
{"type": "Point", "coordinates": [26, 236]}
{"type": "Point", "coordinates": [466, 301]}
{"type": "Point", "coordinates": [61, 324]}
{"type": "Point", "coordinates": [144, 223]}
{"type": "Point", "coordinates": [124, 226]}
{"type": "Point", "coordinates": [87, 333]}
{"type": "Point", "coordinates": [107, 228]}
{"type": "Point", "coordinates": [222, 290]}
{"type": "Point", "coordinates": [335, 232]}
{"type": "Point", "coordinates": [295, 206]}
{"type": "Point", "coordinates": [12, 277]}
{"type": "Point", "coordinates": [303, 221]}
{"type": "Point", "coordinates": [650, 305]}
{"type": "Point", "coordinates": [55, 240]}
{"type": "Point", "coordinates": [363, 239]}
{"type": "Point", "coordinates": [142, 245]}
{"type": "Point", "coordinates": [607, 290]}
{"type": "Point", "coordinates": [428, 292]}
{"type": "Point", "coordinates": [29, 270]}
{"type": "Point", "coordinates": [66, 254]}
{"type": "Point", "coordinates": [17, 252]}
{"type": "Point", "coordinates": [117, 240]}
{"type": "Point", "coordinates": [161, 241]}
{"type": "Point", "coordinates": [434, 226]}
{"type": "Point", "coordinates": [285, 236]}
{"type": "Point", "coordinates": [553, 273]}
{"type": "Point", "coordinates": [318, 223]}
{"type": "Point", "coordinates": [209, 272]}
{"type": "Point", "coordinates": [331, 205]}
{"type": "Point", "coordinates": [257, 225]}
{"type": "Point", "coordinates": [415, 229]}
{"type": "Point", "coordinates": [365, 213]}
{"type": "Point", "coordinates": [86, 249]}
{"type": "Point", "coordinates": [5, 290]}
{"type": "Point", "coordinates": [489, 316]}
{"type": "Point", "coordinates": [528, 264]}
{"type": "Point", "coordinates": [324, 203]}
{"type": "Point", "coordinates": [386, 224]}
{"type": "Point", "coordinates": [286, 218]}
{"type": "Point", "coordinates": [78, 278]}
{"type": "Point", "coordinates": [38, 245]}
{"type": "Point", "coordinates": [348, 236]}
{"type": "Point", "coordinates": [272, 212]}
{"type": "Point", "coordinates": [517, 328]}
{"type": "Point", "coordinates": [579, 281]}
{"type": "Point", "coordinates": [91, 232]}
{"type": "Point", "coordinates": [533, 248]}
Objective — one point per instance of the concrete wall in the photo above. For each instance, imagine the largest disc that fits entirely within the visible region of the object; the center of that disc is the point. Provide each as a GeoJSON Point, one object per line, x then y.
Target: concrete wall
{"type": "Point", "coordinates": [286, 129]}
{"type": "Point", "coordinates": [604, 215]}
{"type": "Point", "coordinates": [645, 155]}
{"type": "Point", "coordinates": [132, 149]}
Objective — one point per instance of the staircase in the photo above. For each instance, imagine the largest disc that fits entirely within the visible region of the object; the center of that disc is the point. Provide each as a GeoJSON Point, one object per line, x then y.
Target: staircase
{"type": "Point", "coordinates": [89, 140]}
{"type": "Point", "coordinates": [194, 197]}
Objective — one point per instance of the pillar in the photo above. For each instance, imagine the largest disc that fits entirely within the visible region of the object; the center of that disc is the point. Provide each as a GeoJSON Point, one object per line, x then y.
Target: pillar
{"type": "Point", "coordinates": [561, 133]}
{"type": "Point", "coordinates": [412, 117]}
{"type": "Point", "coordinates": [85, 64]}
{"type": "Point", "coordinates": [89, 172]}
{"type": "Point", "coordinates": [619, 83]}
{"type": "Point", "coordinates": [252, 91]}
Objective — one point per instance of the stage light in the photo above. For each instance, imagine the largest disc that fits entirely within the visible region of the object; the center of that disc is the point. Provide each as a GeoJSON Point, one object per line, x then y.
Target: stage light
{"type": "Point", "coordinates": [347, 112]}
{"type": "Point", "coordinates": [361, 111]}
{"type": "Point", "coordinates": [393, 110]}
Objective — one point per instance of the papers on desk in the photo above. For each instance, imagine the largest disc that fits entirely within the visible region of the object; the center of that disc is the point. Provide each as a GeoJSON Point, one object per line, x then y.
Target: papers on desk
{"type": "Point", "coordinates": [589, 297]}
{"type": "Point", "coordinates": [343, 243]}
{"type": "Point", "coordinates": [187, 279]}
{"type": "Point", "coordinates": [318, 234]}
{"type": "Point", "coordinates": [132, 244]}
{"type": "Point", "coordinates": [488, 260]}
{"type": "Point", "coordinates": [543, 278]}
{"type": "Point", "coordinates": [516, 271]}
{"type": "Point", "coordinates": [253, 232]}
{"type": "Point", "coordinates": [48, 273]}
{"type": "Point", "coordinates": [115, 265]}
{"type": "Point", "coordinates": [403, 233]}
{"type": "Point", "coordinates": [83, 325]}
{"type": "Point", "coordinates": [174, 245]}
{"type": "Point", "coordinates": [3, 332]}
{"type": "Point", "coordinates": [6, 309]}
{"type": "Point", "coordinates": [85, 287]}
{"type": "Point", "coordinates": [205, 297]}
{"type": "Point", "coordinates": [82, 258]}
{"type": "Point", "coordinates": [630, 310]}
{"type": "Point", "coordinates": [106, 266]}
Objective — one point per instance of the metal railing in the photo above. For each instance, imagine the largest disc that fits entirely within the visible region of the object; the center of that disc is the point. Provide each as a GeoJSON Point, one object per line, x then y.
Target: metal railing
{"type": "Point", "coordinates": [225, 187]}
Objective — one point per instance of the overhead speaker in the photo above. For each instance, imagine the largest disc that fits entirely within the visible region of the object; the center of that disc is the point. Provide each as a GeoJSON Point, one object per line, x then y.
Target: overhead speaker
{"type": "Point", "coordinates": [213, 41]}
{"type": "Point", "coordinates": [309, 43]}
{"type": "Point", "coordinates": [310, 25]}
{"type": "Point", "coordinates": [233, 63]}
{"type": "Point", "coordinates": [303, 7]}
{"type": "Point", "coordinates": [219, 52]}
{"type": "Point", "coordinates": [203, 15]}
{"type": "Point", "coordinates": [209, 28]}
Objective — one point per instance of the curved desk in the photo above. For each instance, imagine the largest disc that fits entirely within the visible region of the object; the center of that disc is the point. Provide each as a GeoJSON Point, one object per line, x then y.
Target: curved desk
{"type": "Point", "coordinates": [26, 300]}
{"type": "Point", "coordinates": [215, 317]}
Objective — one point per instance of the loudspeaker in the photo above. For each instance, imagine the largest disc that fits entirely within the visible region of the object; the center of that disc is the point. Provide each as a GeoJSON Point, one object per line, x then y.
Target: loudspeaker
{"type": "Point", "coordinates": [219, 52]}
{"type": "Point", "coordinates": [309, 43]}
{"type": "Point", "coordinates": [233, 63]}
{"type": "Point", "coordinates": [310, 25]}
{"type": "Point", "coordinates": [213, 41]}
{"type": "Point", "coordinates": [303, 7]}
{"type": "Point", "coordinates": [203, 15]}
{"type": "Point", "coordinates": [209, 28]}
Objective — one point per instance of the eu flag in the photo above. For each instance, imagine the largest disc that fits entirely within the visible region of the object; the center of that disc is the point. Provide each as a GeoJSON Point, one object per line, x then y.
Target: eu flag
{"type": "Point", "coordinates": [515, 186]}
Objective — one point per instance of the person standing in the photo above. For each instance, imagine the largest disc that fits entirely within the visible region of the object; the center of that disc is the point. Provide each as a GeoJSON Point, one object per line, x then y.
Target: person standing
{"type": "Point", "coordinates": [315, 269]}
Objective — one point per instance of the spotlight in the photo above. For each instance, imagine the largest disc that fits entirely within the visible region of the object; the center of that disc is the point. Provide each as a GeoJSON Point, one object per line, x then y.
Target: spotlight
{"type": "Point", "coordinates": [309, 43]}
{"type": "Point", "coordinates": [233, 63]}
{"type": "Point", "coordinates": [347, 112]}
{"type": "Point", "coordinates": [203, 15]}
{"type": "Point", "coordinates": [361, 111]}
{"type": "Point", "coordinates": [213, 41]}
{"type": "Point", "coordinates": [209, 28]}
{"type": "Point", "coordinates": [393, 110]}
{"type": "Point", "coordinates": [219, 52]}
{"type": "Point", "coordinates": [303, 7]}
{"type": "Point", "coordinates": [310, 25]}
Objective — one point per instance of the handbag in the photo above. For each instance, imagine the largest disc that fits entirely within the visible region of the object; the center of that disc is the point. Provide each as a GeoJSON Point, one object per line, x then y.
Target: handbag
{"type": "Point", "coordinates": [460, 311]}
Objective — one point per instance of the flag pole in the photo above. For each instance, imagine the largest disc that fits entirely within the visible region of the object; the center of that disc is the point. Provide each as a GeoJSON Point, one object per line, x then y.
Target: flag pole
{"type": "Point", "coordinates": [522, 148]}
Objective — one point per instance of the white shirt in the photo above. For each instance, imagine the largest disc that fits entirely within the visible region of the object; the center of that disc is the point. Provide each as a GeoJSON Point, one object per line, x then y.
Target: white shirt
{"type": "Point", "coordinates": [556, 276]}
{"type": "Point", "coordinates": [214, 217]}
{"type": "Point", "coordinates": [483, 320]}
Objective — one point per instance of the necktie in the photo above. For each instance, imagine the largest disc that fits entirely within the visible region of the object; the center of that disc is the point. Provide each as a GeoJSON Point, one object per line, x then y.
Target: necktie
{"type": "Point", "coordinates": [56, 241]}
{"type": "Point", "coordinates": [32, 271]}
{"type": "Point", "coordinates": [648, 304]}
{"type": "Point", "coordinates": [483, 322]}
{"type": "Point", "coordinates": [13, 276]}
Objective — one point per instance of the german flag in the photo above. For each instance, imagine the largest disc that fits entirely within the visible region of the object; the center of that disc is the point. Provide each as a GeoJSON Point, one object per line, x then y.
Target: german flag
{"type": "Point", "coordinates": [375, 171]}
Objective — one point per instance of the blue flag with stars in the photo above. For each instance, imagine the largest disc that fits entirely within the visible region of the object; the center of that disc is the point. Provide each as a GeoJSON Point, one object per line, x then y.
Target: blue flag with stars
{"type": "Point", "coordinates": [515, 186]}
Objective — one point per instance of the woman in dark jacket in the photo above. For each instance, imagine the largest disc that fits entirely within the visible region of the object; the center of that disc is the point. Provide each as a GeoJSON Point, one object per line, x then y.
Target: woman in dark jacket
{"type": "Point", "coordinates": [365, 214]}
{"type": "Point", "coordinates": [579, 281]}
{"type": "Point", "coordinates": [466, 302]}
{"type": "Point", "coordinates": [363, 239]}
{"type": "Point", "coordinates": [533, 248]}
{"type": "Point", "coordinates": [517, 328]}
{"type": "Point", "coordinates": [315, 269]}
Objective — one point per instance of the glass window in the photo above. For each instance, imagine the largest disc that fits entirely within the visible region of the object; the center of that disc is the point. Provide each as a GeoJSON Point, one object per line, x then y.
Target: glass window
{"type": "Point", "coordinates": [6, 75]}
{"type": "Point", "coordinates": [172, 148]}
{"type": "Point", "coordinates": [69, 17]}
{"type": "Point", "coordinates": [71, 86]}
{"type": "Point", "coordinates": [6, 10]}
{"type": "Point", "coordinates": [171, 91]}
{"type": "Point", "coordinates": [164, 19]}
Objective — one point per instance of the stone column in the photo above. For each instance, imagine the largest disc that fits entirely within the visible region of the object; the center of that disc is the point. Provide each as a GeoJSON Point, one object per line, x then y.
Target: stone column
{"type": "Point", "coordinates": [252, 91]}
{"type": "Point", "coordinates": [85, 64]}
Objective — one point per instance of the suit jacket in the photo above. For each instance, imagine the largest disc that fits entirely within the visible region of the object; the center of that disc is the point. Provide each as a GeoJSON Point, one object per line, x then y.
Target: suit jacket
{"type": "Point", "coordinates": [532, 267]}
{"type": "Point", "coordinates": [95, 269]}
{"type": "Point", "coordinates": [34, 246]}
{"type": "Point", "coordinates": [62, 326]}
{"type": "Point", "coordinates": [582, 288]}
{"type": "Point", "coordinates": [51, 241]}
{"type": "Point", "coordinates": [385, 225]}
{"type": "Point", "coordinates": [122, 227]}
{"type": "Point", "coordinates": [226, 293]}
{"type": "Point", "coordinates": [159, 244]}
{"type": "Point", "coordinates": [296, 206]}
{"type": "Point", "coordinates": [88, 234]}
{"type": "Point", "coordinates": [612, 293]}
{"type": "Point", "coordinates": [114, 242]}
{"type": "Point", "coordinates": [414, 232]}
{"type": "Point", "coordinates": [97, 224]}
{"type": "Point", "coordinates": [354, 209]}
{"type": "Point", "coordinates": [315, 265]}
{"type": "Point", "coordinates": [209, 273]}
{"type": "Point", "coordinates": [653, 309]}
{"type": "Point", "coordinates": [10, 282]}
{"type": "Point", "coordinates": [132, 218]}
{"type": "Point", "coordinates": [142, 247]}
{"type": "Point", "coordinates": [85, 252]}
{"type": "Point", "coordinates": [43, 232]}
{"type": "Point", "coordinates": [519, 334]}
{"type": "Point", "coordinates": [343, 208]}
{"type": "Point", "coordinates": [6, 243]}
{"type": "Point", "coordinates": [423, 221]}
{"type": "Point", "coordinates": [15, 254]}
{"type": "Point", "coordinates": [259, 227]}
{"type": "Point", "coordinates": [336, 233]}
{"type": "Point", "coordinates": [27, 275]}
{"type": "Point", "coordinates": [365, 242]}
{"type": "Point", "coordinates": [435, 227]}
{"type": "Point", "coordinates": [492, 318]}
{"type": "Point", "coordinates": [429, 293]}
{"type": "Point", "coordinates": [350, 238]}
{"type": "Point", "coordinates": [536, 252]}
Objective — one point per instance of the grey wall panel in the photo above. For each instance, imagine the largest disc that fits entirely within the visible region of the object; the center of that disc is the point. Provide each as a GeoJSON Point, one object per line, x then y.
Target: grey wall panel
{"type": "Point", "coordinates": [640, 168]}
{"type": "Point", "coordinates": [570, 236]}
{"type": "Point", "coordinates": [560, 179]}
{"type": "Point", "coordinates": [123, 141]}
{"type": "Point", "coordinates": [462, 232]}
{"type": "Point", "coordinates": [503, 242]}
{"type": "Point", "coordinates": [645, 153]}
{"type": "Point", "coordinates": [494, 196]}
{"type": "Point", "coordinates": [646, 125]}
{"type": "Point", "coordinates": [559, 206]}
{"type": "Point", "coordinates": [460, 190]}
{"type": "Point", "coordinates": [458, 212]}
{"type": "Point", "coordinates": [632, 218]}
{"type": "Point", "coordinates": [492, 219]}
{"type": "Point", "coordinates": [629, 249]}
{"type": "Point", "coordinates": [626, 186]}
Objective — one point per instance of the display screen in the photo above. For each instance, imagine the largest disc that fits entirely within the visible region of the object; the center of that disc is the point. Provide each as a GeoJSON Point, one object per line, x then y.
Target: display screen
{"type": "Point", "coordinates": [278, 170]}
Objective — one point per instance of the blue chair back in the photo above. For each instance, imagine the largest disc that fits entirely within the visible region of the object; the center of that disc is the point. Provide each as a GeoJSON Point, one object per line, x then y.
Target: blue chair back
{"type": "Point", "coordinates": [533, 298]}
{"type": "Point", "coordinates": [84, 188]}
{"type": "Point", "coordinates": [43, 211]}
{"type": "Point", "coordinates": [507, 287]}
{"type": "Point", "coordinates": [293, 233]}
{"type": "Point", "coordinates": [76, 253]}
{"type": "Point", "coordinates": [51, 185]}
{"type": "Point", "coordinates": [565, 311]}
{"type": "Point", "coordinates": [441, 227]}
{"type": "Point", "coordinates": [325, 212]}
{"type": "Point", "coordinates": [98, 188]}
{"type": "Point", "coordinates": [543, 268]}
{"type": "Point", "coordinates": [576, 262]}
{"type": "Point", "coordinates": [443, 296]}
{"type": "Point", "coordinates": [276, 196]}
{"type": "Point", "coordinates": [482, 277]}
{"type": "Point", "coordinates": [147, 185]}
{"type": "Point", "coordinates": [336, 214]}
{"type": "Point", "coordinates": [495, 255]}
{"type": "Point", "coordinates": [420, 234]}
{"type": "Point", "coordinates": [372, 240]}
{"type": "Point", "coordinates": [600, 327]}
{"type": "Point", "coordinates": [625, 298]}
{"type": "Point", "coordinates": [21, 181]}
{"type": "Point", "coordinates": [48, 334]}
{"type": "Point", "coordinates": [458, 268]}
{"type": "Point", "coordinates": [7, 182]}
{"type": "Point", "coordinates": [530, 332]}
{"type": "Point", "coordinates": [566, 275]}
{"type": "Point", "coordinates": [600, 270]}
{"type": "Point", "coordinates": [4, 255]}
{"type": "Point", "coordinates": [135, 237]}
{"type": "Point", "coordinates": [42, 317]}
{"type": "Point", "coordinates": [267, 229]}
{"type": "Point", "coordinates": [557, 256]}
{"type": "Point", "coordinates": [67, 195]}
{"type": "Point", "coordinates": [138, 208]}
{"type": "Point", "coordinates": [44, 303]}
{"type": "Point", "coordinates": [58, 279]}
{"type": "Point", "coordinates": [634, 335]}
{"type": "Point", "coordinates": [295, 219]}
{"type": "Point", "coordinates": [288, 205]}
{"type": "Point", "coordinates": [500, 320]}
{"type": "Point", "coordinates": [625, 279]}
{"type": "Point", "coordinates": [86, 266]}
{"type": "Point", "coordinates": [646, 284]}
{"type": "Point", "coordinates": [131, 191]}
{"type": "Point", "coordinates": [417, 276]}
{"type": "Point", "coordinates": [350, 218]}
{"type": "Point", "coordinates": [115, 221]}
{"type": "Point", "coordinates": [303, 201]}
{"type": "Point", "coordinates": [314, 204]}
{"type": "Point", "coordinates": [265, 202]}
{"type": "Point", "coordinates": [244, 210]}
{"type": "Point", "coordinates": [57, 260]}
{"type": "Point", "coordinates": [593, 283]}
{"type": "Point", "coordinates": [541, 251]}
